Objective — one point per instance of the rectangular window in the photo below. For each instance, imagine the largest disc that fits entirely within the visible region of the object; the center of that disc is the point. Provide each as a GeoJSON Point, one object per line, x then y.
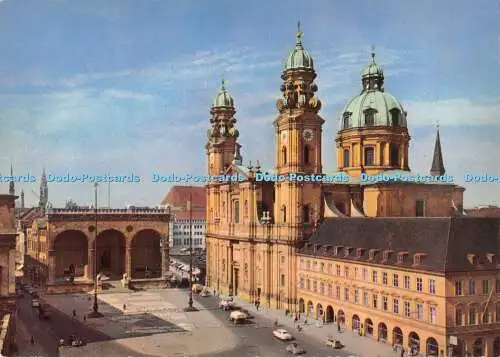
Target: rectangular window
{"type": "Point", "coordinates": [497, 286]}
{"type": "Point", "coordinates": [365, 274]}
{"type": "Point", "coordinates": [346, 294]}
{"type": "Point", "coordinates": [375, 301]}
{"type": "Point", "coordinates": [472, 316]}
{"type": "Point", "coordinates": [330, 290]}
{"type": "Point", "coordinates": [369, 156]}
{"type": "Point", "coordinates": [346, 272]}
{"type": "Point", "coordinates": [432, 286]}
{"type": "Point", "coordinates": [337, 268]}
{"type": "Point", "coordinates": [374, 277]}
{"type": "Point", "coordinates": [384, 278]}
{"type": "Point", "coordinates": [356, 274]}
{"type": "Point", "coordinates": [302, 283]}
{"type": "Point", "coordinates": [356, 296]}
{"type": "Point", "coordinates": [420, 284]}
{"type": "Point", "coordinates": [282, 280]}
{"type": "Point", "coordinates": [322, 267]}
{"type": "Point", "coordinates": [486, 287]}
{"type": "Point", "coordinates": [472, 287]}
{"type": "Point", "coordinates": [419, 208]}
{"type": "Point", "coordinates": [458, 288]}
{"type": "Point", "coordinates": [329, 269]}
{"type": "Point", "coordinates": [315, 286]}
{"type": "Point", "coordinates": [385, 303]}
{"type": "Point", "coordinates": [322, 288]}
{"type": "Point", "coordinates": [365, 299]}
{"type": "Point", "coordinates": [308, 284]}
{"type": "Point", "coordinates": [432, 315]}
{"type": "Point", "coordinates": [420, 311]}
{"type": "Point", "coordinates": [395, 280]}
{"type": "Point", "coordinates": [395, 306]}
{"type": "Point", "coordinates": [236, 206]}
{"type": "Point", "coordinates": [407, 310]}
{"type": "Point", "coordinates": [315, 266]}
{"type": "Point", "coordinates": [406, 282]}
{"type": "Point", "coordinates": [458, 317]}
{"type": "Point", "coordinates": [337, 292]}
{"type": "Point", "coordinates": [308, 265]}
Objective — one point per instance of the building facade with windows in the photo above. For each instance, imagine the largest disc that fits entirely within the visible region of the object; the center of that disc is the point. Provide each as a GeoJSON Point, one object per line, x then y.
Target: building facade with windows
{"type": "Point", "coordinates": [186, 222]}
{"type": "Point", "coordinates": [257, 228]}
{"type": "Point", "coordinates": [407, 281]}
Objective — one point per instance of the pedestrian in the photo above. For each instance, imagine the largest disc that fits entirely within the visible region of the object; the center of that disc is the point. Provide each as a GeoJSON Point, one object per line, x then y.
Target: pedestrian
{"type": "Point", "coordinates": [32, 340]}
{"type": "Point", "coordinates": [74, 313]}
{"type": "Point", "coordinates": [84, 318]}
{"type": "Point", "coordinates": [338, 326]}
{"type": "Point", "coordinates": [124, 307]}
{"type": "Point", "coordinates": [215, 293]}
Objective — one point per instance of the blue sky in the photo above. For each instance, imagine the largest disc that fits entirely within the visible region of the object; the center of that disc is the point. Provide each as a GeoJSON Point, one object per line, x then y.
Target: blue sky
{"type": "Point", "coordinates": [95, 86]}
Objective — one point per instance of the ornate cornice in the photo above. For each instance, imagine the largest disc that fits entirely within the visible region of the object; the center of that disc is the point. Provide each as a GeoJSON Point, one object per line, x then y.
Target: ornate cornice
{"type": "Point", "coordinates": [108, 217]}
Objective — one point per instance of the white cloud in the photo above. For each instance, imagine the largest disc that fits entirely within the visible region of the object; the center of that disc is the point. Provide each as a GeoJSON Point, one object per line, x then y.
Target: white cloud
{"type": "Point", "coordinates": [453, 112]}
{"type": "Point", "coordinates": [111, 94]}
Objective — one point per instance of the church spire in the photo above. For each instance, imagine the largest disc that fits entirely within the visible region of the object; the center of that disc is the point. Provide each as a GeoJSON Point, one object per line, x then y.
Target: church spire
{"type": "Point", "coordinates": [437, 168]}
{"type": "Point", "coordinates": [12, 190]}
{"type": "Point", "coordinates": [44, 191]}
{"type": "Point", "coordinates": [22, 199]}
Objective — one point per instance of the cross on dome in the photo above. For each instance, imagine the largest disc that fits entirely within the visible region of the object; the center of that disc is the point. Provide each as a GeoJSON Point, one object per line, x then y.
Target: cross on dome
{"type": "Point", "coordinates": [299, 32]}
{"type": "Point", "coordinates": [373, 54]}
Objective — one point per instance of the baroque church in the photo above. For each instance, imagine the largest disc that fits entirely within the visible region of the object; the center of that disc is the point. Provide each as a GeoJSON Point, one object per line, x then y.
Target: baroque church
{"type": "Point", "coordinates": [266, 241]}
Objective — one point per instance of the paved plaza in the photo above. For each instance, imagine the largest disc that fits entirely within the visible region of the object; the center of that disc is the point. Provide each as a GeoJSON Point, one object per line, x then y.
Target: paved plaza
{"type": "Point", "coordinates": [152, 322]}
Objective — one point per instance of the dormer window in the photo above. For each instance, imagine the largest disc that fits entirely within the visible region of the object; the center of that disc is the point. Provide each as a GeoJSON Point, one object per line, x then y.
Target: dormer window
{"type": "Point", "coordinates": [338, 250]}
{"type": "Point", "coordinates": [370, 117]}
{"type": "Point", "coordinates": [418, 258]}
{"type": "Point", "coordinates": [395, 115]}
{"type": "Point", "coordinates": [473, 259]}
{"type": "Point", "coordinates": [345, 120]}
{"type": "Point", "coordinates": [360, 252]}
{"type": "Point", "coordinates": [347, 251]}
{"type": "Point", "coordinates": [402, 257]}
{"type": "Point", "coordinates": [492, 258]}
{"type": "Point", "coordinates": [373, 253]}
{"type": "Point", "coordinates": [387, 255]}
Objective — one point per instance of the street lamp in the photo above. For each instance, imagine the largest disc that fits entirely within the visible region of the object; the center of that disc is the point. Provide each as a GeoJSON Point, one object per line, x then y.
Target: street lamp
{"type": "Point", "coordinates": [95, 307]}
{"type": "Point", "coordinates": [190, 306]}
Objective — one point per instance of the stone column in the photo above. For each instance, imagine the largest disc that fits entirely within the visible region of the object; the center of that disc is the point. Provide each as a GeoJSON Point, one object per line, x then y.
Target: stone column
{"type": "Point", "coordinates": [52, 265]}
{"type": "Point", "coordinates": [128, 260]}
{"type": "Point", "coordinates": [90, 264]}
{"type": "Point", "coordinates": [165, 259]}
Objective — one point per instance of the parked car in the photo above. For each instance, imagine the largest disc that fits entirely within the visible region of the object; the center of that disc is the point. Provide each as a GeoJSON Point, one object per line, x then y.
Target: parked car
{"type": "Point", "coordinates": [282, 334]}
{"type": "Point", "coordinates": [332, 342]}
{"type": "Point", "coordinates": [226, 305]}
{"type": "Point", "coordinates": [205, 293]}
{"type": "Point", "coordinates": [295, 349]}
{"type": "Point", "coordinates": [35, 303]}
{"type": "Point", "coordinates": [237, 317]}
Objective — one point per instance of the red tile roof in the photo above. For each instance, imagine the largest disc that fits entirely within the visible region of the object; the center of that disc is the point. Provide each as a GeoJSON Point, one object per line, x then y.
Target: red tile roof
{"type": "Point", "coordinates": [179, 195]}
{"type": "Point", "coordinates": [185, 215]}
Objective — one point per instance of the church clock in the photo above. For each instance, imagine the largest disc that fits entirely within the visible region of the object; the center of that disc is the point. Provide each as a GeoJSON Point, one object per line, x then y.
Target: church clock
{"type": "Point", "coordinates": [308, 135]}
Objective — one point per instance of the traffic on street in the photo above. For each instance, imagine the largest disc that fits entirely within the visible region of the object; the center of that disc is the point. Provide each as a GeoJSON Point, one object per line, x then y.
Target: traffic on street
{"type": "Point", "coordinates": [259, 336]}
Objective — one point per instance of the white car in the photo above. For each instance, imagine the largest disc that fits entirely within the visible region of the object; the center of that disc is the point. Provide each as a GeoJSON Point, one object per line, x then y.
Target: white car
{"type": "Point", "coordinates": [282, 334]}
{"type": "Point", "coordinates": [35, 303]}
{"type": "Point", "coordinates": [204, 293]}
{"type": "Point", "coordinates": [226, 305]}
{"type": "Point", "coordinates": [295, 349]}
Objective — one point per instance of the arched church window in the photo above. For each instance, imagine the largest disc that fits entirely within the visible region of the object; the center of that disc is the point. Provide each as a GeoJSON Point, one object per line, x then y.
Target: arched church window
{"type": "Point", "coordinates": [345, 119]}
{"type": "Point", "coordinates": [307, 153]}
{"type": "Point", "coordinates": [283, 155]}
{"type": "Point", "coordinates": [305, 213]}
{"type": "Point", "coordinates": [382, 154]}
{"type": "Point", "coordinates": [223, 209]}
{"type": "Point", "coordinates": [394, 155]}
{"type": "Point", "coordinates": [369, 156]}
{"type": "Point", "coordinates": [370, 117]}
{"type": "Point", "coordinates": [283, 210]}
{"type": "Point", "coordinates": [347, 155]}
{"type": "Point", "coordinates": [395, 117]}
{"type": "Point", "coordinates": [236, 211]}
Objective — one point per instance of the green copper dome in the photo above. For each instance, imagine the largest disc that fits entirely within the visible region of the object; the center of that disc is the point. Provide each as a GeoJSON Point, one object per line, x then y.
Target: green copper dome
{"type": "Point", "coordinates": [299, 57]}
{"type": "Point", "coordinates": [223, 98]}
{"type": "Point", "coordinates": [374, 106]}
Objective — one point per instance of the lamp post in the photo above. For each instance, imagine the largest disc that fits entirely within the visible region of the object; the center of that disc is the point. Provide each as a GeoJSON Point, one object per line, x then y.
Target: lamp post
{"type": "Point", "coordinates": [190, 306]}
{"type": "Point", "coordinates": [95, 307]}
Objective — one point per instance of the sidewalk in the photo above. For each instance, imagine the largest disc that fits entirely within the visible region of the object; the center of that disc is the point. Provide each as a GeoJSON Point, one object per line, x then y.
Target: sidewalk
{"type": "Point", "coordinates": [23, 342]}
{"type": "Point", "coordinates": [355, 344]}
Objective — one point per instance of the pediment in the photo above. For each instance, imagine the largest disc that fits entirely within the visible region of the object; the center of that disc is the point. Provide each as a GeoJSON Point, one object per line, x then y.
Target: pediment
{"type": "Point", "coordinates": [237, 170]}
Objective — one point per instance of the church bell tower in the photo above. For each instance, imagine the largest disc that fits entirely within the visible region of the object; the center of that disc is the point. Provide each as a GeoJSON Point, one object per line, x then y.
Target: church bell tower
{"type": "Point", "coordinates": [222, 147]}
{"type": "Point", "coordinates": [298, 130]}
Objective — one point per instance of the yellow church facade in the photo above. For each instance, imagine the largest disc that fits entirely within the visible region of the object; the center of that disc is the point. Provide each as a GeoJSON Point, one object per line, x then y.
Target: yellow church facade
{"type": "Point", "coordinates": [278, 236]}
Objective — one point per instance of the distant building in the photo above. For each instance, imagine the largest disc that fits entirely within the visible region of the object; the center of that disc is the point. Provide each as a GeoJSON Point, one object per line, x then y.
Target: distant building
{"type": "Point", "coordinates": [484, 211]}
{"type": "Point", "coordinates": [177, 199]}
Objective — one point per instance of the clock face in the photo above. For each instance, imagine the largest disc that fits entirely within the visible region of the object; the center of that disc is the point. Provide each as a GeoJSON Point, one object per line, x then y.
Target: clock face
{"type": "Point", "coordinates": [284, 135]}
{"type": "Point", "coordinates": [308, 134]}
